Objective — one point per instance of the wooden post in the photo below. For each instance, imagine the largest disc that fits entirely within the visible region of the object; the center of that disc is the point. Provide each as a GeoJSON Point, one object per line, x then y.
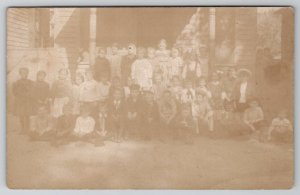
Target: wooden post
{"type": "Point", "coordinates": [212, 34]}
{"type": "Point", "coordinates": [93, 29]}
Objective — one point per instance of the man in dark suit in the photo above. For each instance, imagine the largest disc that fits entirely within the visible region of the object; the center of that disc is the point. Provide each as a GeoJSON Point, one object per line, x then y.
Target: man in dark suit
{"type": "Point", "coordinates": [243, 90]}
{"type": "Point", "coordinates": [116, 113]}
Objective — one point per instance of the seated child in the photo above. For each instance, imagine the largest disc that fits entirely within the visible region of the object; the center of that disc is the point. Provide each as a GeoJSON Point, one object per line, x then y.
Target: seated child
{"type": "Point", "coordinates": [132, 107]}
{"type": "Point", "coordinates": [167, 113]}
{"type": "Point", "coordinates": [149, 115]}
{"type": "Point", "coordinates": [84, 125]}
{"type": "Point", "coordinates": [41, 125]}
{"type": "Point", "coordinates": [253, 116]}
{"type": "Point", "coordinates": [202, 86]}
{"type": "Point", "coordinates": [65, 123]}
{"type": "Point", "coordinates": [158, 86]}
{"type": "Point", "coordinates": [185, 124]}
{"type": "Point", "coordinates": [202, 112]}
{"type": "Point", "coordinates": [281, 129]}
{"type": "Point", "coordinates": [116, 114]}
{"type": "Point", "coordinates": [188, 92]}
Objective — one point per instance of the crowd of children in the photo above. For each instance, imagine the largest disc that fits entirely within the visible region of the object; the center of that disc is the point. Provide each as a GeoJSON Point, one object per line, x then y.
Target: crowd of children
{"type": "Point", "coordinates": [147, 94]}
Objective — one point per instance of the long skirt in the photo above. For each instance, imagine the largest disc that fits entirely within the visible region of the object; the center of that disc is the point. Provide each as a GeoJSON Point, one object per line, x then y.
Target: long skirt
{"type": "Point", "coordinates": [57, 107]}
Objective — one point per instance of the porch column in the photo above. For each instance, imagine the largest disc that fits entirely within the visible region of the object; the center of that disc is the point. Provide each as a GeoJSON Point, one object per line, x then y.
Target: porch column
{"type": "Point", "coordinates": [93, 27]}
{"type": "Point", "coordinates": [212, 34]}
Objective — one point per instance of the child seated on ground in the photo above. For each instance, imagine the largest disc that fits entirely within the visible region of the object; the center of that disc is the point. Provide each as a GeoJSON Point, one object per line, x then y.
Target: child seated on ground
{"type": "Point", "coordinates": [281, 129]}
{"type": "Point", "coordinates": [202, 85]}
{"type": "Point", "coordinates": [188, 92]}
{"type": "Point", "coordinates": [85, 124]}
{"type": "Point", "coordinates": [149, 115]}
{"type": "Point", "coordinates": [41, 125]}
{"type": "Point", "coordinates": [116, 114]}
{"type": "Point", "coordinates": [253, 116]}
{"type": "Point", "coordinates": [132, 114]}
{"type": "Point", "coordinates": [202, 111]}
{"type": "Point", "coordinates": [185, 124]}
{"type": "Point", "coordinates": [158, 86]}
{"type": "Point", "coordinates": [167, 113]}
{"type": "Point", "coordinates": [65, 123]}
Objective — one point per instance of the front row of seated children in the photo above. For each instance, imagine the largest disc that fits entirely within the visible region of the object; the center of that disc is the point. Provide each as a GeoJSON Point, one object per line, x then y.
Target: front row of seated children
{"type": "Point", "coordinates": [140, 116]}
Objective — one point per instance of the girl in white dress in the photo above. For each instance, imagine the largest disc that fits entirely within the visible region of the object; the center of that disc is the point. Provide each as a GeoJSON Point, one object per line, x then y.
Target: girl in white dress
{"type": "Point", "coordinates": [142, 70]}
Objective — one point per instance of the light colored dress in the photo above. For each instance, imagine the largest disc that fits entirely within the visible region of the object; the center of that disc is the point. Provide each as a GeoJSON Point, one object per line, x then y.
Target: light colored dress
{"type": "Point", "coordinates": [175, 67]}
{"type": "Point", "coordinates": [142, 73]}
{"type": "Point", "coordinates": [84, 125]}
{"type": "Point", "coordinates": [89, 91]}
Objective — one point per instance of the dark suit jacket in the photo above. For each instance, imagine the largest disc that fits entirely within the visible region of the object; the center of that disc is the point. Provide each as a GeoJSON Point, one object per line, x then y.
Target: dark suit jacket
{"type": "Point", "coordinates": [249, 91]}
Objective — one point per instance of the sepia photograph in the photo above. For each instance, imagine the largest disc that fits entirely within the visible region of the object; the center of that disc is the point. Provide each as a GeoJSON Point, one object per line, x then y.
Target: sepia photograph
{"type": "Point", "coordinates": [150, 98]}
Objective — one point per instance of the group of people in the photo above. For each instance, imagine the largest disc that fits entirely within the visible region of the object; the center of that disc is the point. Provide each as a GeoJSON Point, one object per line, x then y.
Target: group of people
{"type": "Point", "coordinates": [146, 94]}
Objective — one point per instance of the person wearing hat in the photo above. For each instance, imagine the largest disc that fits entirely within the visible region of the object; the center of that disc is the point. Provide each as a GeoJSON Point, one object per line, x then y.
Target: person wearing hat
{"type": "Point", "coordinates": [243, 90]}
{"type": "Point", "coordinates": [127, 62]}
